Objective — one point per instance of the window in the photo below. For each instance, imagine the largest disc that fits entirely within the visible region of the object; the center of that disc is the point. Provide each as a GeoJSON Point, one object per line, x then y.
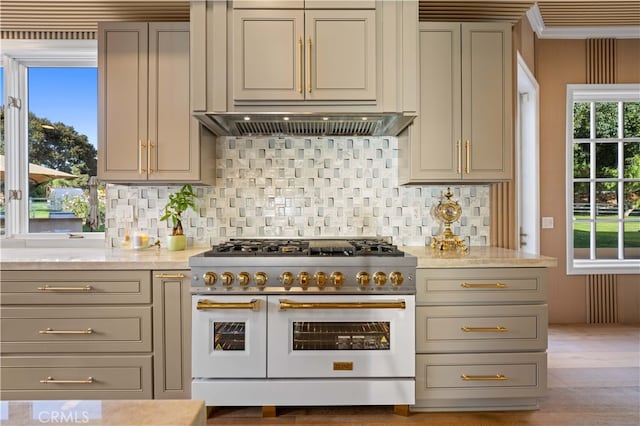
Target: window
{"type": "Point", "coordinates": [603, 179]}
{"type": "Point", "coordinates": [50, 148]}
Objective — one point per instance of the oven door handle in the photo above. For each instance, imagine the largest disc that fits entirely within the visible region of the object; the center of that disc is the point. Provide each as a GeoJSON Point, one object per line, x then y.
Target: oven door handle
{"type": "Point", "coordinates": [206, 304]}
{"type": "Point", "coordinates": [289, 304]}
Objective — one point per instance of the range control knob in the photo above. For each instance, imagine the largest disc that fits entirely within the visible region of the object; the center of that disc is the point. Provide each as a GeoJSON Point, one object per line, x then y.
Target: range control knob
{"type": "Point", "coordinates": [379, 279]}
{"type": "Point", "coordinates": [304, 278]}
{"type": "Point", "coordinates": [227, 279]}
{"type": "Point", "coordinates": [363, 279]}
{"type": "Point", "coordinates": [287, 279]}
{"type": "Point", "coordinates": [337, 279]}
{"type": "Point", "coordinates": [243, 279]}
{"type": "Point", "coordinates": [261, 279]}
{"type": "Point", "coordinates": [210, 278]}
{"type": "Point", "coordinates": [320, 278]}
{"type": "Point", "coordinates": [396, 279]}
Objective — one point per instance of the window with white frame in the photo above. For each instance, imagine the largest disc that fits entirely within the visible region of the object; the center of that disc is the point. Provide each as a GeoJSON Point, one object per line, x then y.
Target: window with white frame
{"type": "Point", "coordinates": [49, 141]}
{"type": "Point", "coordinates": [603, 179]}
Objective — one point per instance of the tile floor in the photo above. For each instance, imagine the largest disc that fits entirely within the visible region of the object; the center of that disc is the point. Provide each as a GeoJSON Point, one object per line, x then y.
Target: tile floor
{"type": "Point", "coordinates": [593, 379]}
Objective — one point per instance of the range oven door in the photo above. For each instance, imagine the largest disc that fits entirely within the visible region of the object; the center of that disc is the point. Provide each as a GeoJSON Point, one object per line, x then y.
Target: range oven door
{"type": "Point", "coordinates": [341, 336]}
{"type": "Point", "coordinates": [229, 336]}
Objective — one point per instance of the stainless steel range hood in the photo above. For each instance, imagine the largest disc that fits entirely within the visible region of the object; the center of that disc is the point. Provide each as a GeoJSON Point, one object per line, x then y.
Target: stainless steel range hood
{"type": "Point", "coordinates": [304, 124]}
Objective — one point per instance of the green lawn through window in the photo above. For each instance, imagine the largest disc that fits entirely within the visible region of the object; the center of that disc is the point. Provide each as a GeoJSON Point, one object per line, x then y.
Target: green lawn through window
{"type": "Point", "coordinates": [607, 235]}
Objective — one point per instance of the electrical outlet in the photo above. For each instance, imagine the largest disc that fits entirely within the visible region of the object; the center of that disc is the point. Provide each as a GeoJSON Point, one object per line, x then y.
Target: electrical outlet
{"type": "Point", "coordinates": [125, 212]}
{"type": "Point", "coordinates": [547, 223]}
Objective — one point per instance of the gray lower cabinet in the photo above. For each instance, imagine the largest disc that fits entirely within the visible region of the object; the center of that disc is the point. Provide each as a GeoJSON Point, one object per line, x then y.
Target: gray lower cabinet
{"type": "Point", "coordinates": [481, 338]}
{"type": "Point", "coordinates": [95, 334]}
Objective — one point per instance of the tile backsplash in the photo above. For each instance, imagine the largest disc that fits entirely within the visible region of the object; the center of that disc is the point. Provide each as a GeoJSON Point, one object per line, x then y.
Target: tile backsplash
{"type": "Point", "coordinates": [303, 187]}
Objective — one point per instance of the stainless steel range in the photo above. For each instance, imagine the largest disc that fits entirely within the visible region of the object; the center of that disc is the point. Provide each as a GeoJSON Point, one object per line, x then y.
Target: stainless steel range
{"type": "Point", "coordinates": [303, 322]}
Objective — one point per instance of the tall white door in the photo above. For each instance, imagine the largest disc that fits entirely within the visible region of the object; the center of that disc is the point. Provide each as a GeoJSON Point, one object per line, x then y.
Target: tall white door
{"type": "Point", "coordinates": [527, 161]}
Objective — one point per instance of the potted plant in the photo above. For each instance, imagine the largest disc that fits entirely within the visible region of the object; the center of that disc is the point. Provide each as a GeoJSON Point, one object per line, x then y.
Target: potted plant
{"type": "Point", "coordinates": [178, 202]}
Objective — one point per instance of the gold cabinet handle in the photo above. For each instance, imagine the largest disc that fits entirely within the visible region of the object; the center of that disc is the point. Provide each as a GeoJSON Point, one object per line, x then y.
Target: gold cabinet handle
{"type": "Point", "coordinates": [289, 304]}
{"type": "Point", "coordinates": [70, 289]}
{"type": "Point", "coordinates": [142, 147]}
{"type": "Point", "coordinates": [467, 165]}
{"type": "Point", "coordinates": [150, 146]}
{"type": "Point", "coordinates": [309, 66]}
{"type": "Point", "coordinates": [50, 379]}
{"type": "Point", "coordinates": [178, 276]}
{"type": "Point", "coordinates": [206, 304]}
{"type": "Point", "coordinates": [498, 329]}
{"type": "Point", "coordinates": [300, 68]}
{"type": "Point", "coordinates": [459, 149]}
{"type": "Point", "coordinates": [483, 378]}
{"type": "Point", "coordinates": [52, 331]}
{"type": "Point", "coordinates": [483, 285]}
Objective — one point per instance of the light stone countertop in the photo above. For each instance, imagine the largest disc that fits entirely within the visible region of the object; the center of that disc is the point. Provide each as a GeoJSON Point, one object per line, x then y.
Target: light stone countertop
{"type": "Point", "coordinates": [100, 259]}
{"type": "Point", "coordinates": [479, 257]}
{"type": "Point", "coordinates": [17, 259]}
{"type": "Point", "coordinates": [105, 412]}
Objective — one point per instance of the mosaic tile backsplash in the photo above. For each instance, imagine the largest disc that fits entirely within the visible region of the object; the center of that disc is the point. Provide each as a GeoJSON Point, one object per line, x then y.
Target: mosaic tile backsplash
{"type": "Point", "coordinates": [303, 188]}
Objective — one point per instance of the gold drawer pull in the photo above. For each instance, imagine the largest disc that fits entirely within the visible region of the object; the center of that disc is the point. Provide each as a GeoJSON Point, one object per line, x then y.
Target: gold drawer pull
{"type": "Point", "coordinates": [50, 379]}
{"type": "Point", "coordinates": [481, 285]}
{"type": "Point", "coordinates": [50, 288]}
{"type": "Point", "coordinates": [205, 304]}
{"type": "Point", "coordinates": [484, 378]}
{"type": "Point", "coordinates": [288, 304]}
{"type": "Point", "coordinates": [498, 329]}
{"type": "Point", "coordinates": [179, 276]}
{"type": "Point", "coordinates": [50, 330]}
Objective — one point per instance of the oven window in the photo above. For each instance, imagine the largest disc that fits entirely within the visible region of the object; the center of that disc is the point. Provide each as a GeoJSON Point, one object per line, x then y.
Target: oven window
{"type": "Point", "coordinates": [228, 336]}
{"type": "Point", "coordinates": [342, 336]}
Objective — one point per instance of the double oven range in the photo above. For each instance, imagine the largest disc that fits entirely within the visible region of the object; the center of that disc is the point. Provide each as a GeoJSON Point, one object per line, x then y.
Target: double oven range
{"type": "Point", "coordinates": [303, 322]}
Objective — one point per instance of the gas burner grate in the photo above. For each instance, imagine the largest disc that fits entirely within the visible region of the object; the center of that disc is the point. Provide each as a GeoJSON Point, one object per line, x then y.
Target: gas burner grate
{"type": "Point", "coordinates": [319, 247]}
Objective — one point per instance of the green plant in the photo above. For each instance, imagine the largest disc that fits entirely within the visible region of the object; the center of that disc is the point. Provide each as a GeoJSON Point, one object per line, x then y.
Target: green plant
{"type": "Point", "coordinates": [179, 202]}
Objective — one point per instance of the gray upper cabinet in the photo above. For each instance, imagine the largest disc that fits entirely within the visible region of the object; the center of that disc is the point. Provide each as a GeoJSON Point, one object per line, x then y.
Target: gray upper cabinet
{"type": "Point", "coordinates": [146, 132]}
{"type": "Point", "coordinates": [301, 56]}
{"type": "Point", "coordinates": [304, 55]}
{"type": "Point", "coordinates": [464, 128]}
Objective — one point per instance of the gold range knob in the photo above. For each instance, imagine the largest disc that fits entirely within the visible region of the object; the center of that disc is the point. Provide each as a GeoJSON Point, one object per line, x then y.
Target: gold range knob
{"type": "Point", "coordinates": [379, 278]}
{"type": "Point", "coordinates": [320, 278]}
{"type": "Point", "coordinates": [336, 279]}
{"type": "Point", "coordinates": [261, 279]}
{"type": "Point", "coordinates": [227, 279]}
{"type": "Point", "coordinates": [304, 278]}
{"type": "Point", "coordinates": [363, 279]}
{"type": "Point", "coordinates": [396, 279]}
{"type": "Point", "coordinates": [243, 279]}
{"type": "Point", "coordinates": [210, 278]}
{"type": "Point", "coordinates": [287, 279]}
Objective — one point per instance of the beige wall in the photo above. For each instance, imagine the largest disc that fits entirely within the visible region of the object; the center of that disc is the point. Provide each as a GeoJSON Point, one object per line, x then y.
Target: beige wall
{"type": "Point", "coordinates": [558, 63]}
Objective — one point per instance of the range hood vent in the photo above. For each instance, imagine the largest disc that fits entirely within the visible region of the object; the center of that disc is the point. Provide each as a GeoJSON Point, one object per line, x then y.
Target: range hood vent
{"type": "Point", "coordinates": [310, 124]}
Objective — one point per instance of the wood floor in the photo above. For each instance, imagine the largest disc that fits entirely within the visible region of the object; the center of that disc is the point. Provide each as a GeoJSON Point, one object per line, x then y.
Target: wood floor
{"type": "Point", "coordinates": [593, 379]}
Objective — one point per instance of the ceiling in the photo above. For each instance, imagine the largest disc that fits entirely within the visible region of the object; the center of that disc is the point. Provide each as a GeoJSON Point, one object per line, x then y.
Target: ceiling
{"type": "Point", "coordinates": [82, 15]}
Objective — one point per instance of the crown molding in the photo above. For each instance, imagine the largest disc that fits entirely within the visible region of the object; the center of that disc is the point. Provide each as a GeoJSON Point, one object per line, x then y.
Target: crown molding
{"type": "Point", "coordinates": [542, 31]}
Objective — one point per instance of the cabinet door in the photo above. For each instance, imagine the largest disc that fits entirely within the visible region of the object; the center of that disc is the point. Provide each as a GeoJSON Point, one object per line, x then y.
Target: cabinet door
{"type": "Point", "coordinates": [171, 335]}
{"type": "Point", "coordinates": [486, 101]}
{"type": "Point", "coordinates": [122, 107]}
{"type": "Point", "coordinates": [172, 145]}
{"type": "Point", "coordinates": [340, 54]}
{"type": "Point", "coordinates": [436, 141]}
{"type": "Point", "coordinates": [268, 55]}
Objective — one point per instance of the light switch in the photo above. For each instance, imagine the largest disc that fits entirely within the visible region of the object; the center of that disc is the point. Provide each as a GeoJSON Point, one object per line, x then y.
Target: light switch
{"type": "Point", "coordinates": [547, 223]}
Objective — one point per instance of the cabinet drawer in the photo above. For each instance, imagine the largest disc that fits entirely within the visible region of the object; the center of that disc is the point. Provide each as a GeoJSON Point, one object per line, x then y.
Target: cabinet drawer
{"type": "Point", "coordinates": [476, 285]}
{"type": "Point", "coordinates": [71, 329]}
{"type": "Point", "coordinates": [75, 287]}
{"type": "Point", "coordinates": [72, 377]}
{"type": "Point", "coordinates": [499, 375]}
{"type": "Point", "coordinates": [481, 328]}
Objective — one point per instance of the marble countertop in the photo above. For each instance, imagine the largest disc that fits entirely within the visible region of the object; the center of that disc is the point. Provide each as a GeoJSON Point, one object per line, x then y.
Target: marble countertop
{"type": "Point", "coordinates": [154, 258]}
{"type": "Point", "coordinates": [106, 412]}
{"type": "Point", "coordinates": [479, 257]}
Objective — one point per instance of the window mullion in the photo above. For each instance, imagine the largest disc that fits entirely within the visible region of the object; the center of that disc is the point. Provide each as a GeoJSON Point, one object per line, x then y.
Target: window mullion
{"type": "Point", "coordinates": [593, 208]}
{"type": "Point", "coordinates": [620, 192]}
